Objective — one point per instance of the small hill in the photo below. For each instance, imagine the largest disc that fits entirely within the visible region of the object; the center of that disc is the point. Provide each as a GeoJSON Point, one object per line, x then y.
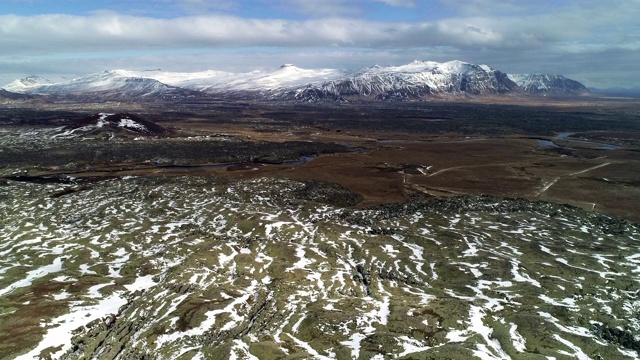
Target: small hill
{"type": "Point", "coordinates": [119, 123]}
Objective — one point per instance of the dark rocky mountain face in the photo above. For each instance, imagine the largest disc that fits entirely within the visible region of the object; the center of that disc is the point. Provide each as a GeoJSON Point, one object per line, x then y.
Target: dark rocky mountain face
{"type": "Point", "coordinates": [408, 86]}
{"type": "Point", "coordinates": [8, 95]}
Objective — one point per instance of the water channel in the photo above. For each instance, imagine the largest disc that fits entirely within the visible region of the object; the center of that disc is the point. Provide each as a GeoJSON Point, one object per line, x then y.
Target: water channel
{"type": "Point", "coordinates": [565, 136]}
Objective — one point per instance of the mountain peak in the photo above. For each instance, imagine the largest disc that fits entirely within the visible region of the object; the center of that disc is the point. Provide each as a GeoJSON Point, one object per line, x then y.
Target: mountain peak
{"type": "Point", "coordinates": [486, 68]}
{"type": "Point", "coordinates": [456, 65]}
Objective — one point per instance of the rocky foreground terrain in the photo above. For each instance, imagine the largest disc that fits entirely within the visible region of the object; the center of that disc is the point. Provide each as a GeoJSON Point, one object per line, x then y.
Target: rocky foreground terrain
{"type": "Point", "coordinates": [199, 268]}
{"type": "Point", "coordinates": [126, 238]}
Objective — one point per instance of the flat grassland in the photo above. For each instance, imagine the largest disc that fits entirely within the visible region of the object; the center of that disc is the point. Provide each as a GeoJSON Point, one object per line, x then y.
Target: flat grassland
{"type": "Point", "coordinates": [582, 152]}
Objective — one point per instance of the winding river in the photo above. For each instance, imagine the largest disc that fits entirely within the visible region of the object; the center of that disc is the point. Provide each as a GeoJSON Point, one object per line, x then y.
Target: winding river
{"type": "Point", "coordinates": [565, 136]}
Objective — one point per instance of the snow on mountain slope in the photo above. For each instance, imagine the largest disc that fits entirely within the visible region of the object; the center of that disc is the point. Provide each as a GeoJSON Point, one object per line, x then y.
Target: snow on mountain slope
{"type": "Point", "coordinates": [287, 76]}
{"type": "Point", "coordinates": [28, 84]}
{"type": "Point", "coordinates": [189, 80]}
{"type": "Point", "coordinates": [106, 81]}
{"type": "Point", "coordinates": [114, 84]}
{"type": "Point", "coordinates": [548, 84]}
{"type": "Point", "coordinates": [413, 80]}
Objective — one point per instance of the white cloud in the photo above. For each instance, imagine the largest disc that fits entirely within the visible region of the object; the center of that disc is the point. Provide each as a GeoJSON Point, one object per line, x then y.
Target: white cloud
{"type": "Point", "coordinates": [489, 6]}
{"type": "Point", "coordinates": [400, 3]}
{"type": "Point", "coordinates": [46, 34]}
{"type": "Point", "coordinates": [318, 8]}
{"type": "Point", "coordinates": [197, 6]}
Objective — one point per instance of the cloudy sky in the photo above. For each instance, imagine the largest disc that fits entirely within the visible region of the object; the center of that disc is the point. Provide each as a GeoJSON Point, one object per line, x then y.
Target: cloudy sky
{"type": "Point", "coordinates": [594, 41]}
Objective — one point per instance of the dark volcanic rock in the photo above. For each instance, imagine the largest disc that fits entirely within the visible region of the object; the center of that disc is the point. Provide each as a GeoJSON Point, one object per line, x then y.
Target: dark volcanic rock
{"type": "Point", "coordinates": [116, 122]}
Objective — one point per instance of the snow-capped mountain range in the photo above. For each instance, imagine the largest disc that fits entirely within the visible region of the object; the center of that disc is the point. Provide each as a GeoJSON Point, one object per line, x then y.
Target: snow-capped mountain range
{"type": "Point", "coordinates": [109, 84]}
{"type": "Point", "coordinates": [416, 80]}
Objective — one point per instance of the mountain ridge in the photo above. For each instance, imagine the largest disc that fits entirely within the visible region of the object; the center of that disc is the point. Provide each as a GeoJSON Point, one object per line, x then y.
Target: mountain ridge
{"type": "Point", "coordinates": [414, 81]}
{"type": "Point", "coordinates": [548, 84]}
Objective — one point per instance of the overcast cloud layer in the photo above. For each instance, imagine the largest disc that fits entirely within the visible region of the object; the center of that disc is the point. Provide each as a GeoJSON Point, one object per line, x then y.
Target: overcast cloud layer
{"type": "Point", "coordinates": [595, 42]}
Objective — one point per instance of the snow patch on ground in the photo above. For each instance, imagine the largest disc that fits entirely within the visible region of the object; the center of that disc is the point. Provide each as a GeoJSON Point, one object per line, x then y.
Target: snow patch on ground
{"type": "Point", "coordinates": [60, 329]}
